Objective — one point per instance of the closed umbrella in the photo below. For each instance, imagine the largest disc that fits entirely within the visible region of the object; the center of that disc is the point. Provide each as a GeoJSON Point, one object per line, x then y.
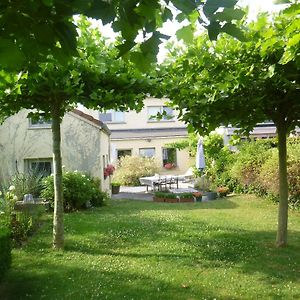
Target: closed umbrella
{"type": "Point", "coordinates": [200, 158]}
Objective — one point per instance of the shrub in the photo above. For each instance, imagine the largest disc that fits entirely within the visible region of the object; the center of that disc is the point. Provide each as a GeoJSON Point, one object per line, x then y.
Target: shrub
{"type": "Point", "coordinates": [78, 190]}
{"type": "Point", "coordinates": [131, 168]}
{"type": "Point", "coordinates": [249, 160]}
{"type": "Point", "coordinates": [269, 176]}
{"type": "Point", "coordinates": [223, 191]}
{"type": "Point", "coordinates": [29, 183]}
{"type": "Point", "coordinates": [5, 250]}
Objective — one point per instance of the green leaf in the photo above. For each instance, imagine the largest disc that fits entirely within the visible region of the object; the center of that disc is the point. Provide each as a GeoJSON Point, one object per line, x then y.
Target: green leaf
{"type": "Point", "coordinates": [141, 61]}
{"type": "Point", "coordinates": [213, 30]}
{"type": "Point", "coordinates": [186, 34]}
{"type": "Point", "coordinates": [211, 6]}
{"type": "Point", "coordinates": [186, 6]}
{"type": "Point", "coordinates": [229, 14]}
{"type": "Point", "coordinates": [180, 17]}
{"type": "Point", "coordinates": [48, 3]}
{"type": "Point", "coordinates": [124, 48]}
{"type": "Point", "coordinates": [10, 55]}
{"type": "Point", "coordinates": [234, 31]}
{"type": "Point", "coordinates": [281, 1]}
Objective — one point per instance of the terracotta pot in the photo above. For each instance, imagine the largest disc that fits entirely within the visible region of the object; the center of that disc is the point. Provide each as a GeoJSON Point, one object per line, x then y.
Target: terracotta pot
{"type": "Point", "coordinates": [157, 199]}
{"type": "Point", "coordinates": [171, 200]}
{"type": "Point", "coordinates": [186, 200]}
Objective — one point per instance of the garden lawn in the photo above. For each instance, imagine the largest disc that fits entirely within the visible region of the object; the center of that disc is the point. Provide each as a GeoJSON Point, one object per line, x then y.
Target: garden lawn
{"type": "Point", "coordinates": [222, 249]}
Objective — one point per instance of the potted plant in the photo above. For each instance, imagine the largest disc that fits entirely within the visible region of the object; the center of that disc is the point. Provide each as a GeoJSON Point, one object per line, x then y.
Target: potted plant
{"type": "Point", "coordinates": [169, 166]}
{"type": "Point", "coordinates": [115, 187]}
{"type": "Point", "coordinates": [197, 196]}
{"type": "Point", "coordinates": [223, 191]}
{"type": "Point", "coordinates": [186, 197]}
{"type": "Point", "coordinates": [165, 197]}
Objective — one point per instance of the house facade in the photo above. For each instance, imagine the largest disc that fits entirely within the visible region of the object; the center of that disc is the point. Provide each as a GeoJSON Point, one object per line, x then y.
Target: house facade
{"type": "Point", "coordinates": [143, 134]}
{"type": "Point", "coordinates": [26, 144]}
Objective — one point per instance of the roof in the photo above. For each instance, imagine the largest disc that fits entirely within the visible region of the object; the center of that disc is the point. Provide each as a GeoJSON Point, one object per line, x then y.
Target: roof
{"type": "Point", "coordinates": [146, 133]}
{"type": "Point", "coordinates": [92, 120]}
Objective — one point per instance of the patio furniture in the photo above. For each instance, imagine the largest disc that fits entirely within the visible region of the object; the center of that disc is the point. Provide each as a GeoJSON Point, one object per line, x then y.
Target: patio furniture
{"type": "Point", "coordinates": [159, 181]}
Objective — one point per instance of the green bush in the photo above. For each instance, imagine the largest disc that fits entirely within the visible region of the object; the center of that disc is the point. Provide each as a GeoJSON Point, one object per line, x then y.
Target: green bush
{"type": "Point", "coordinates": [131, 168]}
{"type": "Point", "coordinates": [29, 183]}
{"type": "Point", "coordinates": [248, 161]}
{"type": "Point", "coordinates": [5, 250]}
{"type": "Point", "coordinates": [269, 174]}
{"type": "Point", "coordinates": [78, 191]}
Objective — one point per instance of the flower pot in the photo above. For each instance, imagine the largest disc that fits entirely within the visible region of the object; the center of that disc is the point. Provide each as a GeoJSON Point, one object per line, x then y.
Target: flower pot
{"type": "Point", "coordinates": [199, 199]}
{"type": "Point", "coordinates": [211, 195]}
{"type": "Point", "coordinates": [171, 200]}
{"type": "Point", "coordinates": [186, 200]}
{"type": "Point", "coordinates": [158, 199]}
{"type": "Point", "coordinates": [115, 189]}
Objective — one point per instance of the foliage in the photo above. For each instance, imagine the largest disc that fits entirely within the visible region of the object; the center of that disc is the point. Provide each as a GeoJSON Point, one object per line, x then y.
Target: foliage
{"type": "Point", "coordinates": [222, 191]}
{"type": "Point", "coordinates": [158, 244]}
{"type": "Point", "coordinates": [78, 190]}
{"type": "Point", "coordinates": [268, 177]}
{"type": "Point", "coordinates": [130, 168]}
{"type": "Point", "coordinates": [164, 195]}
{"type": "Point", "coordinates": [242, 84]}
{"type": "Point", "coordinates": [186, 195]}
{"type": "Point", "coordinates": [248, 161]}
{"type": "Point", "coordinates": [20, 223]}
{"type": "Point", "coordinates": [27, 183]}
{"type": "Point", "coordinates": [5, 250]}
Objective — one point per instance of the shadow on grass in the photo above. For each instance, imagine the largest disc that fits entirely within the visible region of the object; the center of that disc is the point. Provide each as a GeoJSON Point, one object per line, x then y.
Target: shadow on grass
{"type": "Point", "coordinates": [196, 243]}
{"type": "Point", "coordinates": [57, 281]}
{"type": "Point", "coordinates": [137, 234]}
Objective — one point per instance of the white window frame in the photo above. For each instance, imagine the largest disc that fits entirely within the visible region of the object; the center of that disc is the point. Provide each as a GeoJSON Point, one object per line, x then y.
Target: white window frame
{"type": "Point", "coordinates": [42, 123]}
{"type": "Point", "coordinates": [114, 118]}
{"type": "Point", "coordinates": [147, 148]}
{"type": "Point", "coordinates": [29, 161]}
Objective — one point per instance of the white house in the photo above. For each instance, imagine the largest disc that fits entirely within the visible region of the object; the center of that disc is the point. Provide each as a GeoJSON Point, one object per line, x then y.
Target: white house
{"type": "Point", "coordinates": [26, 144]}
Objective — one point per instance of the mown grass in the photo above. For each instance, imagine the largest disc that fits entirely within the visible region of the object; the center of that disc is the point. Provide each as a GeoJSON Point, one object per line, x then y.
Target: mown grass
{"type": "Point", "coordinates": [142, 250]}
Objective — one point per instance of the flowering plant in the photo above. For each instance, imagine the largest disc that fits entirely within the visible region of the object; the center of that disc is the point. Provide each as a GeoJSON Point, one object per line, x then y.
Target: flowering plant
{"type": "Point", "coordinates": [108, 170]}
{"type": "Point", "coordinates": [223, 191]}
{"type": "Point", "coordinates": [169, 165]}
{"type": "Point", "coordinates": [197, 194]}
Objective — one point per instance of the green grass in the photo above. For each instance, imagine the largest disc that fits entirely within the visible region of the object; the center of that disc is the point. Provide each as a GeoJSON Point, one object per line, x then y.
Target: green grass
{"type": "Point", "coordinates": [142, 250]}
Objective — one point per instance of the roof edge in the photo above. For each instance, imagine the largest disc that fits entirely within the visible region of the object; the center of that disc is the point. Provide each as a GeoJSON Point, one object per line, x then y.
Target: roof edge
{"type": "Point", "coordinates": [91, 119]}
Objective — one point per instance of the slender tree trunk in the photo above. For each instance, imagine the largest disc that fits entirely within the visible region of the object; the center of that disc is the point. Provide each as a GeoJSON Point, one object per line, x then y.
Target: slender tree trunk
{"type": "Point", "coordinates": [281, 239]}
{"type": "Point", "coordinates": [58, 221]}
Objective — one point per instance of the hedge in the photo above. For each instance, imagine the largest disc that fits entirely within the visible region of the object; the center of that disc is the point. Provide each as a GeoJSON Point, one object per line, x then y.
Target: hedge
{"type": "Point", "coordinates": [5, 251]}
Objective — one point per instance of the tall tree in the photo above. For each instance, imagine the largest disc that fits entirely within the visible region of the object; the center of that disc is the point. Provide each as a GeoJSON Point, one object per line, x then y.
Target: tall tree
{"type": "Point", "coordinates": [96, 78]}
{"type": "Point", "coordinates": [230, 82]}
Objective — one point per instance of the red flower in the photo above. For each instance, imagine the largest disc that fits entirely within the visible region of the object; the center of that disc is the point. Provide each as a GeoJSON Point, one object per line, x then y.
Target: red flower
{"type": "Point", "coordinates": [108, 170]}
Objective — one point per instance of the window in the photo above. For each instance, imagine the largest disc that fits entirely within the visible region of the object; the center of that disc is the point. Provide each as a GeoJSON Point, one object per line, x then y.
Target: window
{"type": "Point", "coordinates": [112, 116]}
{"type": "Point", "coordinates": [39, 122]}
{"type": "Point", "coordinates": [165, 111]}
{"type": "Point", "coordinates": [123, 152]}
{"type": "Point", "coordinates": [169, 158]}
{"type": "Point", "coordinates": [39, 166]}
{"type": "Point", "coordinates": [147, 152]}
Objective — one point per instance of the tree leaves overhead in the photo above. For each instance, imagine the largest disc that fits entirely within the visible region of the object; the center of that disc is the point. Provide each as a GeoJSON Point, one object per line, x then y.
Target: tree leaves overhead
{"type": "Point", "coordinates": [43, 27]}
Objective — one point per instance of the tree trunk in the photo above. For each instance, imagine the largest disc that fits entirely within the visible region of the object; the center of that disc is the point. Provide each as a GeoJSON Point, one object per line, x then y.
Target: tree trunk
{"type": "Point", "coordinates": [281, 239]}
{"type": "Point", "coordinates": [58, 221]}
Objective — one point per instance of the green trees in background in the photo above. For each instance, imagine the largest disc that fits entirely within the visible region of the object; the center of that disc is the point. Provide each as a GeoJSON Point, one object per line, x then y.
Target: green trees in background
{"type": "Point", "coordinates": [243, 83]}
